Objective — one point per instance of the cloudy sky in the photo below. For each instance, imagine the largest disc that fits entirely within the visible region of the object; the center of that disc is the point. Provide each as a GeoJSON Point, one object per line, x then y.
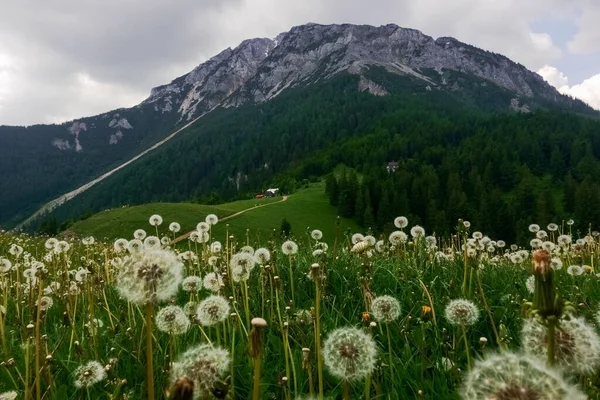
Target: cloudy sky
{"type": "Point", "coordinates": [63, 59]}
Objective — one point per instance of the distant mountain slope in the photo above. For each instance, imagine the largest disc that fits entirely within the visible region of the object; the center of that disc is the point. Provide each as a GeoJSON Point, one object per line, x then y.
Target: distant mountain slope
{"type": "Point", "coordinates": [45, 161]}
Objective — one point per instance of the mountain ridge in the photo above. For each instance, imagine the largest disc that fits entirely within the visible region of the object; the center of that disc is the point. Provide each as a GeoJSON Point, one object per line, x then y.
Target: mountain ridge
{"type": "Point", "coordinates": [253, 72]}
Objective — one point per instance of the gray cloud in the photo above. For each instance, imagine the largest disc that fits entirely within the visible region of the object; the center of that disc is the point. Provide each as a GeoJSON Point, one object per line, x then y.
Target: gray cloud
{"type": "Point", "coordinates": [68, 58]}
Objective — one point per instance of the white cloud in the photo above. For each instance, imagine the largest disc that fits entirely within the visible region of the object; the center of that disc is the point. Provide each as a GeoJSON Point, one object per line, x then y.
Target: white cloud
{"type": "Point", "coordinates": [587, 91]}
{"type": "Point", "coordinates": [587, 39]}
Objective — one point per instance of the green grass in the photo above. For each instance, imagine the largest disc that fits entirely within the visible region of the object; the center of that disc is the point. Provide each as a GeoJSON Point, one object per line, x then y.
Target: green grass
{"type": "Point", "coordinates": [306, 208]}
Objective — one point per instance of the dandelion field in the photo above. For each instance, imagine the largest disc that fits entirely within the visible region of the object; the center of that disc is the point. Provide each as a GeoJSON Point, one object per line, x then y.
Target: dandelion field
{"type": "Point", "coordinates": [350, 316]}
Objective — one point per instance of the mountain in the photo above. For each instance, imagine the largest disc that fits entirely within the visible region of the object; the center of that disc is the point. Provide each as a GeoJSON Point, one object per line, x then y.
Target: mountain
{"type": "Point", "coordinates": [246, 95]}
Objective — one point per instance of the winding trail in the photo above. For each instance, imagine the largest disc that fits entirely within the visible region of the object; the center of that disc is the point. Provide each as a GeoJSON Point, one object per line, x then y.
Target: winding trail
{"type": "Point", "coordinates": [186, 235]}
{"type": "Point", "coordinates": [51, 205]}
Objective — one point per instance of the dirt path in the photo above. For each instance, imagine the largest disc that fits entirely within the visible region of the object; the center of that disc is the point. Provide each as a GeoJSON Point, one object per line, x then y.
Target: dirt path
{"type": "Point", "coordinates": [51, 205]}
{"type": "Point", "coordinates": [186, 235]}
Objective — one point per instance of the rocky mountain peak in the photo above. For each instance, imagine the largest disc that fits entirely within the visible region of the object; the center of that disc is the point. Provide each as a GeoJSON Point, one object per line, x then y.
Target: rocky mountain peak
{"type": "Point", "coordinates": [261, 68]}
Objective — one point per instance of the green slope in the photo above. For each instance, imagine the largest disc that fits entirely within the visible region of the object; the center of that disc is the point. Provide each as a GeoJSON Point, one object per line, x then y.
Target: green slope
{"type": "Point", "coordinates": [306, 208]}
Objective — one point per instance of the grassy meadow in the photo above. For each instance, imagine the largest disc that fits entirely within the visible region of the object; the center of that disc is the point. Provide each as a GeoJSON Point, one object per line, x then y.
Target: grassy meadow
{"type": "Point", "coordinates": [305, 209]}
{"type": "Point", "coordinates": [264, 317]}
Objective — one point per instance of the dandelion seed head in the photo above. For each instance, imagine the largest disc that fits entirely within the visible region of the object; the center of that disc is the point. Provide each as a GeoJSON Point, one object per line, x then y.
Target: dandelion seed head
{"type": "Point", "coordinates": [89, 374]}
{"type": "Point", "coordinates": [509, 376]}
{"type": "Point", "coordinates": [213, 282]}
{"type": "Point", "coordinates": [262, 256]}
{"type": "Point", "coordinates": [149, 275]}
{"type": "Point", "coordinates": [191, 284]}
{"type": "Point", "coordinates": [174, 227]}
{"type": "Point", "coordinates": [139, 234]}
{"type": "Point", "coordinates": [211, 219]}
{"type": "Point", "coordinates": [576, 344]}
{"type": "Point", "coordinates": [216, 247]}
{"type": "Point", "coordinates": [212, 310]}
{"type": "Point", "coordinates": [396, 238]}
{"type": "Point", "coordinates": [534, 228]}
{"type": "Point", "coordinates": [357, 237]}
{"type": "Point", "coordinates": [135, 246]}
{"type": "Point", "coordinates": [50, 243]}
{"type": "Point", "coordinates": [8, 395]}
{"type": "Point", "coordinates": [173, 320]}
{"type": "Point", "coordinates": [462, 312]}
{"type": "Point", "coordinates": [289, 248]}
{"type": "Point", "coordinates": [155, 220]}
{"type": "Point", "coordinates": [350, 354]}
{"type": "Point", "coordinates": [575, 270]}
{"type": "Point", "coordinates": [541, 234]}
{"type": "Point", "coordinates": [556, 263]}
{"type": "Point", "coordinates": [152, 242]}
{"type": "Point", "coordinates": [203, 227]}
{"type": "Point", "coordinates": [205, 365]}
{"type": "Point", "coordinates": [316, 234]}
{"type": "Point", "coordinates": [401, 222]}
{"type": "Point", "coordinates": [385, 308]}
{"type": "Point", "coordinates": [5, 265]}
{"type": "Point", "coordinates": [417, 231]}
{"type": "Point", "coordinates": [530, 284]}
{"type": "Point", "coordinates": [120, 245]}
{"type": "Point", "coordinates": [564, 240]}
{"type": "Point", "coordinates": [88, 241]}
{"type": "Point", "coordinates": [45, 303]}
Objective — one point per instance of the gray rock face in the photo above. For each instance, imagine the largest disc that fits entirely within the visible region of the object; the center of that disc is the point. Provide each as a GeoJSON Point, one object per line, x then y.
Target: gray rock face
{"type": "Point", "coordinates": [260, 69]}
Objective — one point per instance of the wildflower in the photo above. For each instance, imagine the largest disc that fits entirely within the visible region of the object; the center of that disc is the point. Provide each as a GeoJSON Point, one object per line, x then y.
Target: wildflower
{"type": "Point", "coordinates": [401, 222]}
{"type": "Point", "coordinates": [174, 227]}
{"type": "Point", "coordinates": [514, 376]}
{"type": "Point", "coordinates": [360, 247]}
{"type": "Point", "coordinates": [462, 312]}
{"type": "Point", "coordinates": [575, 270]}
{"type": "Point", "coordinates": [81, 274]}
{"type": "Point", "coordinates": [370, 239]}
{"type": "Point", "coordinates": [564, 240]}
{"type": "Point", "coordinates": [88, 241]}
{"type": "Point", "coordinates": [212, 310]}
{"type": "Point", "coordinates": [44, 303]}
{"type": "Point", "coordinates": [541, 234]}
{"type": "Point", "coordinates": [135, 245]}
{"type": "Point", "coordinates": [8, 395]}
{"type": "Point", "coordinates": [477, 235]}
{"type": "Point", "coordinates": [556, 263]}
{"type": "Point", "coordinates": [213, 282]}
{"type": "Point", "coordinates": [247, 249]}
{"type": "Point", "coordinates": [51, 243]}
{"type": "Point", "coordinates": [61, 247]}
{"type": "Point", "coordinates": [149, 275]}
{"type": "Point", "coordinates": [576, 344]}
{"type": "Point", "coordinates": [173, 320]}
{"type": "Point", "coordinates": [190, 308]}
{"type": "Point", "coordinates": [262, 256]}
{"type": "Point", "coordinates": [152, 242]}
{"type": "Point", "coordinates": [357, 237]}
{"type": "Point", "coordinates": [466, 224]}
{"type": "Point", "coordinates": [242, 263]}
{"type": "Point", "coordinates": [316, 234]}
{"type": "Point", "coordinates": [534, 228]}
{"type": "Point", "coordinates": [500, 244]}
{"type": "Point", "coordinates": [530, 284]}
{"type": "Point", "coordinates": [396, 238]}
{"type": "Point", "coordinates": [425, 309]}
{"type": "Point", "coordinates": [215, 247]}
{"type": "Point", "coordinates": [535, 243]}
{"type": "Point", "coordinates": [380, 246]}
{"type": "Point", "coordinates": [417, 231]}
{"type": "Point", "coordinates": [365, 316]}
{"type": "Point", "coordinates": [17, 250]}
{"type": "Point", "coordinates": [203, 227]}
{"type": "Point", "coordinates": [120, 245]}
{"type": "Point", "coordinates": [552, 227]}
{"type": "Point", "coordinates": [385, 308]}
{"type": "Point", "coordinates": [211, 219]}
{"type": "Point", "coordinates": [204, 365]}
{"type": "Point", "coordinates": [350, 354]}
{"type": "Point", "coordinates": [570, 222]}
{"type": "Point", "coordinates": [156, 220]}
{"type": "Point", "coordinates": [5, 265]}
{"type": "Point", "coordinates": [89, 374]}
{"type": "Point", "coordinates": [191, 284]}
{"type": "Point", "coordinates": [165, 240]}
{"type": "Point", "coordinates": [289, 248]}
{"type": "Point", "coordinates": [139, 234]}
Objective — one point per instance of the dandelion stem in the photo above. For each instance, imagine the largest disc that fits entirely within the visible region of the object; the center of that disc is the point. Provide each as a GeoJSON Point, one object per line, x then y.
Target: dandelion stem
{"type": "Point", "coordinates": [489, 311]}
{"type": "Point", "coordinates": [318, 335]}
{"type": "Point", "coordinates": [38, 383]}
{"type": "Point", "coordinates": [149, 362]}
{"type": "Point", "coordinates": [346, 390]}
{"type": "Point", "coordinates": [368, 387]}
{"type": "Point", "coordinates": [467, 348]}
{"type": "Point", "coordinates": [390, 352]}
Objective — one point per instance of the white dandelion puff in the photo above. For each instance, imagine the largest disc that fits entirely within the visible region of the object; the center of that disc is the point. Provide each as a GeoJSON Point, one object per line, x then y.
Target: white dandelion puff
{"type": "Point", "coordinates": [173, 320]}
{"type": "Point", "coordinates": [191, 284]}
{"type": "Point", "coordinates": [212, 310]}
{"type": "Point", "coordinates": [139, 234]}
{"type": "Point", "coordinates": [174, 227]}
{"type": "Point", "coordinates": [350, 354]}
{"type": "Point", "coordinates": [461, 312]}
{"type": "Point", "coordinates": [213, 282]}
{"type": "Point", "coordinates": [211, 219]}
{"type": "Point", "coordinates": [401, 222]}
{"type": "Point", "coordinates": [289, 248]}
{"type": "Point", "coordinates": [385, 308]}
{"type": "Point", "coordinates": [89, 374]}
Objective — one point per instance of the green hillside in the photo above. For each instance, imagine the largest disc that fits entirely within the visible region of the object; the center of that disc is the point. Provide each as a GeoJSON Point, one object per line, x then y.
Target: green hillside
{"type": "Point", "coordinates": [306, 208]}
